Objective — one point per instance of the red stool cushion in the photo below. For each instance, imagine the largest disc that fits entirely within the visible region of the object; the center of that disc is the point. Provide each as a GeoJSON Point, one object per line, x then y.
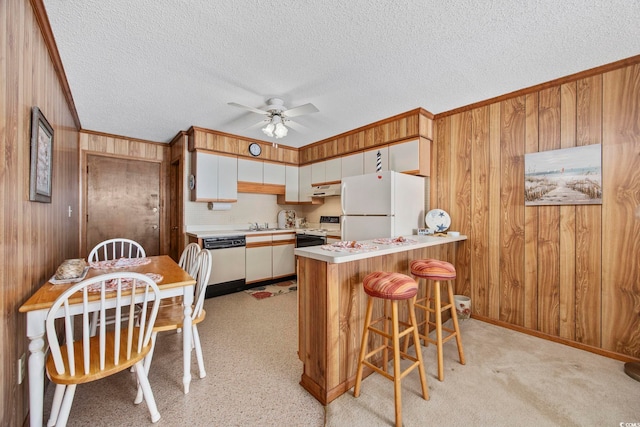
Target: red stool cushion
{"type": "Point", "coordinates": [394, 286]}
{"type": "Point", "coordinates": [433, 269]}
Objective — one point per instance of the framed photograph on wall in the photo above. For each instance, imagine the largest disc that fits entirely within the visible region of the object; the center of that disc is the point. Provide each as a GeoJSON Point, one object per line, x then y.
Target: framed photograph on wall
{"type": "Point", "coordinates": [41, 157]}
{"type": "Point", "coordinates": [569, 176]}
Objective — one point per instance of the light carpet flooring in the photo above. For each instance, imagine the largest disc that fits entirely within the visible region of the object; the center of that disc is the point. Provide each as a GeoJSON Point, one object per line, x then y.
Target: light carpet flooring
{"type": "Point", "coordinates": [253, 375]}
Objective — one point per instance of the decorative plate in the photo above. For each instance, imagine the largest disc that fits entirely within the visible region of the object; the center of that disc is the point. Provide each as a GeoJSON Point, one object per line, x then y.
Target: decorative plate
{"type": "Point", "coordinates": [438, 220]}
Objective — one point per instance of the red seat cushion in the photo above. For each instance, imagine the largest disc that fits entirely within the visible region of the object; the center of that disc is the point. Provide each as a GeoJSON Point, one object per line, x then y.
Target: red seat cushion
{"type": "Point", "coordinates": [433, 269]}
{"type": "Point", "coordinates": [394, 286]}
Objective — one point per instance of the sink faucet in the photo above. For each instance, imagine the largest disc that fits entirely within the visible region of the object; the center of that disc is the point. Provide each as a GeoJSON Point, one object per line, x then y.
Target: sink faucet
{"type": "Point", "coordinates": [253, 226]}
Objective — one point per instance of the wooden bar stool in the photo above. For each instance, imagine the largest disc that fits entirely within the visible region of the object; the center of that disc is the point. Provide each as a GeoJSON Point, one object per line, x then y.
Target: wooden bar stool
{"type": "Point", "coordinates": [391, 287]}
{"type": "Point", "coordinates": [436, 271]}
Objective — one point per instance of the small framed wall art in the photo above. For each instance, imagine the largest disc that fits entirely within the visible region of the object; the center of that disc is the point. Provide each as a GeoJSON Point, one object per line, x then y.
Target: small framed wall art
{"type": "Point", "coordinates": [41, 157]}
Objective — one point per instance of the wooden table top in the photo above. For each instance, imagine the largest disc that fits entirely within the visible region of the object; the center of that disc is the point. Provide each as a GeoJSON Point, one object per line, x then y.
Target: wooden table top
{"type": "Point", "coordinates": [173, 277]}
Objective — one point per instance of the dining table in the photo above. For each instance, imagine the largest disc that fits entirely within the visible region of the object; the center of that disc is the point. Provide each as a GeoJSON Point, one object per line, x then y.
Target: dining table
{"type": "Point", "coordinates": [175, 282]}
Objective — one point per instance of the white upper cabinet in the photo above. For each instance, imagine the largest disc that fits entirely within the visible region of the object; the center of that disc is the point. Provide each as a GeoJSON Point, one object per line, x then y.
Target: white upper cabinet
{"type": "Point", "coordinates": [352, 165]}
{"type": "Point", "coordinates": [250, 170]}
{"type": "Point", "coordinates": [326, 171]}
{"type": "Point", "coordinates": [318, 173]}
{"type": "Point", "coordinates": [215, 177]}
{"type": "Point", "coordinates": [333, 170]}
{"type": "Point", "coordinates": [260, 172]}
{"type": "Point", "coordinates": [227, 178]}
{"type": "Point", "coordinates": [291, 186]}
{"type": "Point", "coordinates": [411, 157]}
{"type": "Point", "coordinates": [305, 190]}
{"type": "Point", "coordinates": [371, 157]}
{"type": "Point", "coordinates": [274, 173]}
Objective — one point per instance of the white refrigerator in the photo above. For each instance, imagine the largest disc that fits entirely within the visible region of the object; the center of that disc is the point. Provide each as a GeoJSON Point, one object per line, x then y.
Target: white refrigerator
{"type": "Point", "coordinates": [380, 205]}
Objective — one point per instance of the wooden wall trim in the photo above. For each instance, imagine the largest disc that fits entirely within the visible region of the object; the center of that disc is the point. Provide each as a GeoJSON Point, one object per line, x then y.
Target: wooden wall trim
{"type": "Point", "coordinates": [50, 41]}
{"type": "Point", "coordinates": [372, 125]}
{"type": "Point", "coordinates": [536, 88]}
{"type": "Point", "coordinates": [230, 135]}
{"type": "Point", "coordinates": [110, 135]}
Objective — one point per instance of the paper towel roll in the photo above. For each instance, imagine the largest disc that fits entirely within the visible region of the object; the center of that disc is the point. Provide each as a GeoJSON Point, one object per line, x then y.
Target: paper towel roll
{"type": "Point", "coordinates": [219, 206]}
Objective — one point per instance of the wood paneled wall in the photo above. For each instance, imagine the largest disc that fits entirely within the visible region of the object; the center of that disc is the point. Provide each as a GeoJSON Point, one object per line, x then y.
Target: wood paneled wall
{"type": "Point", "coordinates": [34, 237]}
{"type": "Point", "coordinates": [569, 273]}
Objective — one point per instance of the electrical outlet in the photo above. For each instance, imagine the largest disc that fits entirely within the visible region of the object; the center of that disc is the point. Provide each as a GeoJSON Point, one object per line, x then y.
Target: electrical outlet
{"type": "Point", "coordinates": [22, 368]}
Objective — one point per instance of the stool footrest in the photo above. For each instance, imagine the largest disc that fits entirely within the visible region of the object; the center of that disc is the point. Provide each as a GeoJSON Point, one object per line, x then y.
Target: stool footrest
{"type": "Point", "coordinates": [389, 376]}
{"type": "Point", "coordinates": [445, 307]}
{"type": "Point", "coordinates": [388, 335]}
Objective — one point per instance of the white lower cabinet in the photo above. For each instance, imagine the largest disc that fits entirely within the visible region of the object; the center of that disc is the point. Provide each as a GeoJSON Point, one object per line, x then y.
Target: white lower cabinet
{"type": "Point", "coordinates": [284, 261]}
{"type": "Point", "coordinates": [258, 258]}
{"type": "Point", "coordinates": [269, 256]}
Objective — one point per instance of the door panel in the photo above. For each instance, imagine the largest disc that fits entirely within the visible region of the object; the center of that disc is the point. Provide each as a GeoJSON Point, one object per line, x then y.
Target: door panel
{"type": "Point", "coordinates": [123, 201]}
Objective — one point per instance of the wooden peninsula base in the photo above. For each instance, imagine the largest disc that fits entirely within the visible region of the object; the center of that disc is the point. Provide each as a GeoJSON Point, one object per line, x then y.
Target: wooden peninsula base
{"type": "Point", "coordinates": [332, 304]}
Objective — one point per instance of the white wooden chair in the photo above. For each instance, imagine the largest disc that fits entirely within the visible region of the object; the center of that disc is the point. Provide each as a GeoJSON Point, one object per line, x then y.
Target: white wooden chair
{"type": "Point", "coordinates": [76, 357]}
{"type": "Point", "coordinates": [116, 248]}
{"type": "Point", "coordinates": [113, 249]}
{"type": "Point", "coordinates": [170, 317]}
{"type": "Point", "coordinates": [188, 259]}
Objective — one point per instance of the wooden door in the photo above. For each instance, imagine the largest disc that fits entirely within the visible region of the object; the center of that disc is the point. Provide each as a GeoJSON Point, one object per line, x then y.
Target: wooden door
{"type": "Point", "coordinates": [123, 201]}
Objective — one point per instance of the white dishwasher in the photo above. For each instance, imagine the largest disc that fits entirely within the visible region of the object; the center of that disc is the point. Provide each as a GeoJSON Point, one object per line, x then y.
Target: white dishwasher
{"type": "Point", "coordinates": [227, 264]}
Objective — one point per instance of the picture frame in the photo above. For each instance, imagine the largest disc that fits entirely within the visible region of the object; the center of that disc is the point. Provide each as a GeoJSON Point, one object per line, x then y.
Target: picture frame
{"type": "Point", "coordinates": [41, 158]}
{"type": "Point", "coordinates": [568, 176]}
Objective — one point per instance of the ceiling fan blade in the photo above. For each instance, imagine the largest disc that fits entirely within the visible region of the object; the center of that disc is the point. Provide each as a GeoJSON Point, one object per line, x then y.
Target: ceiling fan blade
{"type": "Point", "coordinates": [300, 110]}
{"type": "Point", "coordinates": [295, 126]}
{"type": "Point", "coordinates": [254, 110]}
{"type": "Point", "coordinates": [259, 124]}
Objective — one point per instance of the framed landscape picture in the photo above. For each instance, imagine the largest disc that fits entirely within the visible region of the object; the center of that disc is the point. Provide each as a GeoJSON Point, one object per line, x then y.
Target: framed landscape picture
{"type": "Point", "coordinates": [41, 157]}
{"type": "Point", "coordinates": [569, 176]}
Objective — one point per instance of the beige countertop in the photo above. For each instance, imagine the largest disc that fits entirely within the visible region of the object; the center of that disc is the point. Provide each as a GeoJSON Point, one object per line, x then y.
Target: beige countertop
{"type": "Point", "coordinates": [317, 253]}
{"type": "Point", "coordinates": [201, 234]}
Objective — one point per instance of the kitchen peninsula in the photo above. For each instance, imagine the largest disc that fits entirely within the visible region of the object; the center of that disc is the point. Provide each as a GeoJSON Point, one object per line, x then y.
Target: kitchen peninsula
{"type": "Point", "coordinates": [332, 304]}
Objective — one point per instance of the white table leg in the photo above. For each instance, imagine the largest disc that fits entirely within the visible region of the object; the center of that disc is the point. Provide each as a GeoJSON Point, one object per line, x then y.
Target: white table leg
{"type": "Point", "coordinates": [35, 333]}
{"type": "Point", "coordinates": [186, 336]}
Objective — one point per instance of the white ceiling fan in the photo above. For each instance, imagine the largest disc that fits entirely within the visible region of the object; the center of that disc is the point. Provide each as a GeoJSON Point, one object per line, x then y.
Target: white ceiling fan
{"type": "Point", "coordinates": [277, 116]}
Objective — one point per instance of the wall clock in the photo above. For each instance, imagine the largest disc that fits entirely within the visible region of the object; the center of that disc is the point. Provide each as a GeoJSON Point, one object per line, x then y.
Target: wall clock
{"type": "Point", "coordinates": [255, 149]}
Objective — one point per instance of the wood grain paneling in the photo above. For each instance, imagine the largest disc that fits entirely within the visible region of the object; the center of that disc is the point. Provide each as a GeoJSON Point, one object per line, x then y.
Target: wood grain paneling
{"type": "Point", "coordinates": [479, 180]}
{"type": "Point", "coordinates": [549, 217]}
{"type": "Point", "coordinates": [567, 273]}
{"type": "Point", "coordinates": [495, 222]}
{"type": "Point", "coordinates": [460, 194]}
{"type": "Point", "coordinates": [512, 210]}
{"type": "Point", "coordinates": [393, 129]}
{"type": "Point", "coordinates": [35, 237]}
{"type": "Point", "coordinates": [567, 250]}
{"type": "Point", "coordinates": [621, 211]}
{"type": "Point", "coordinates": [531, 223]}
{"type": "Point", "coordinates": [588, 221]}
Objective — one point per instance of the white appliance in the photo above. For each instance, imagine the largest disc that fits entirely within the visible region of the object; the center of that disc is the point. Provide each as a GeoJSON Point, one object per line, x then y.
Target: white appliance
{"type": "Point", "coordinates": [382, 204]}
{"type": "Point", "coordinates": [326, 190]}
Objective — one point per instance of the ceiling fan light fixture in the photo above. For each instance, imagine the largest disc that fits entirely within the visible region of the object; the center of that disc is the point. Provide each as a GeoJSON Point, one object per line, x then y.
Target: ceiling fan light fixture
{"type": "Point", "coordinates": [281, 130]}
{"type": "Point", "coordinates": [268, 129]}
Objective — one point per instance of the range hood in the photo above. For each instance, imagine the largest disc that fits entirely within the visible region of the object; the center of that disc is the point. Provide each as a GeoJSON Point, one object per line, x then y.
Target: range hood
{"type": "Point", "coordinates": [327, 190]}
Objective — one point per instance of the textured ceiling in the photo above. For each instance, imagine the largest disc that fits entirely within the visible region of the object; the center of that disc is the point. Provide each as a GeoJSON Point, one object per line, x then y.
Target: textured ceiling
{"type": "Point", "coordinates": [150, 68]}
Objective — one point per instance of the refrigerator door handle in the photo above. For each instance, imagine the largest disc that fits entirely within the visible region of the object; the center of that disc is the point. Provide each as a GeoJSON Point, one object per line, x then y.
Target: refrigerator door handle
{"type": "Point", "coordinates": [343, 197]}
{"type": "Point", "coordinates": [343, 227]}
